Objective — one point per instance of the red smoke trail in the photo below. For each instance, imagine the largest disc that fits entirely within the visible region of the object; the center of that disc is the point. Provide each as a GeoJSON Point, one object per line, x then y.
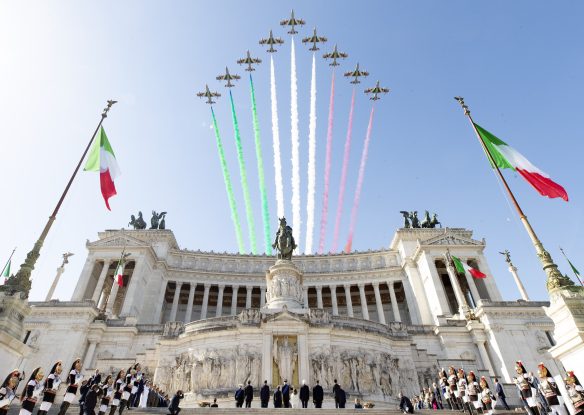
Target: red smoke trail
{"type": "Point", "coordinates": [359, 184]}
{"type": "Point", "coordinates": [344, 175]}
{"type": "Point", "coordinates": [327, 167]}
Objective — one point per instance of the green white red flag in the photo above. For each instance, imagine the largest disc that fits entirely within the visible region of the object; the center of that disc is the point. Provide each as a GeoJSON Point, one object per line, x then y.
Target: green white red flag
{"type": "Point", "coordinates": [101, 158]}
{"type": "Point", "coordinates": [5, 273]}
{"type": "Point", "coordinates": [462, 268]}
{"type": "Point", "coordinates": [119, 274]}
{"type": "Point", "coordinates": [506, 157]}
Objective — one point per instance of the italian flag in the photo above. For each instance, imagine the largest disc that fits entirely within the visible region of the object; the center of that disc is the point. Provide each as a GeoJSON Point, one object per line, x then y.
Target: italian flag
{"type": "Point", "coordinates": [5, 273]}
{"type": "Point", "coordinates": [120, 273]}
{"type": "Point", "coordinates": [506, 157]}
{"type": "Point", "coordinates": [102, 159]}
{"type": "Point", "coordinates": [462, 268]}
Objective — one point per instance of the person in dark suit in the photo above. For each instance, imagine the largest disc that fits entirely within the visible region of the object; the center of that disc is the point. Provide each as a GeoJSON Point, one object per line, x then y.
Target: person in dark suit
{"type": "Point", "coordinates": [341, 397]}
{"type": "Point", "coordinates": [96, 378]}
{"type": "Point", "coordinates": [317, 395]}
{"type": "Point", "coordinates": [265, 394]}
{"type": "Point", "coordinates": [286, 394]}
{"type": "Point", "coordinates": [91, 400]}
{"type": "Point", "coordinates": [239, 396]}
{"type": "Point", "coordinates": [304, 394]}
{"type": "Point", "coordinates": [278, 398]}
{"type": "Point", "coordinates": [174, 409]}
{"type": "Point", "coordinates": [500, 393]}
{"type": "Point", "coordinates": [336, 387]}
{"type": "Point", "coordinates": [248, 394]}
{"type": "Point", "coordinates": [405, 404]}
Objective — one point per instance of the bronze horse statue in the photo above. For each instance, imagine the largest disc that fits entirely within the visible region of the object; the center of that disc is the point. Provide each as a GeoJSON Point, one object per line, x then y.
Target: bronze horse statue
{"type": "Point", "coordinates": [284, 242]}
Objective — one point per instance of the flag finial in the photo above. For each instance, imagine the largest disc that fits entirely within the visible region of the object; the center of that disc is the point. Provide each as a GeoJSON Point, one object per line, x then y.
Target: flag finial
{"type": "Point", "coordinates": [463, 105]}
{"type": "Point", "coordinates": [110, 103]}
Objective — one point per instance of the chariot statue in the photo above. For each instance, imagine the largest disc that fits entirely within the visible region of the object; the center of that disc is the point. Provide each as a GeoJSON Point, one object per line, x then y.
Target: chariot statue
{"type": "Point", "coordinates": [137, 223]}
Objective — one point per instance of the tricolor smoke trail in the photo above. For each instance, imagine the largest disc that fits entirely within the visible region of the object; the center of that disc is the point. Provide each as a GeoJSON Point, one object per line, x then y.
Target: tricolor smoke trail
{"type": "Point", "coordinates": [311, 161]}
{"type": "Point", "coordinates": [359, 183]}
{"type": "Point", "coordinates": [228, 186]}
{"type": "Point", "coordinates": [243, 174]}
{"type": "Point", "coordinates": [327, 168]}
{"type": "Point", "coordinates": [260, 163]}
{"type": "Point", "coordinates": [276, 143]}
{"type": "Point", "coordinates": [295, 137]}
{"type": "Point", "coordinates": [344, 170]}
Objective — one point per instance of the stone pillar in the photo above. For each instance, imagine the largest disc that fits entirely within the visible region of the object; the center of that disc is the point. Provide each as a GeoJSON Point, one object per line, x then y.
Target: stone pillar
{"type": "Point", "coordinates": [394, 307]}
{"type": "Point", "coordinates": [248, 289]}
{"type": "Point", "coordinates": [479, 339]}
{"type": "Point", "coordinates": [334, 300]}
{"type": "Point", "coordinates": [136, 280]}
{"type": "Point", "coordinates": [234, 300]}
{"type": "Point", "coordinates": [348, 298]}
{"type": "Point", "coordinates": [60, 271]}
{"type": "Point", "coordinates": [380, 314]}
{"type": "Point", "coordinates": [83, 279]}
{"type": "Point", "coordinates": [112, 297]}
{"type": "Point", "coordinates": [205, 302]}
{"type": "Point", "coordinates": [513, 271]}
{"type": "Point", "coordinates": [89, 354]}
{"type": "Point", "coordinates": [411, 302]}
{"type": "Point", "coordinates": [219, 309]}
{"type": "Point", "coordinates": [305, 296]}
{"type": "Point", "coordinates": [319, 297]}
{"type": "Point", "coordinates": [175, 301]}
{"type": "Point", "coordinates": [462, 305]}
{"type": "Point", "coordinates": [303, 362]}
{"type": "Point", "coordinates": [100, 281]}
{"type": "Point", "coordinates": [160, 304]}
{"type": "Point", "coordinates": [364, 309]}
{"type": "Point", "coordinates": [473, 287]}
{"type": "Point", "coordinates": [266, 358]}
{"type": "Point", "coordinates": [189, 313]}
{"type": "Point", "coordinates": [262, 296]}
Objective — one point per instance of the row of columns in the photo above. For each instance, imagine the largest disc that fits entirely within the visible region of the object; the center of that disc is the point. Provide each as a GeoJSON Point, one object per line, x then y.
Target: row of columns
{"type": "Point", "coordinates": [320, 304]}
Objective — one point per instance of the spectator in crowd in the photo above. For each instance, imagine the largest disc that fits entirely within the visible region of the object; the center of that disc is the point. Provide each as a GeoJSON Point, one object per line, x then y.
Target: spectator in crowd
{"type": "Point", "coordinates": [406, 406]}
{"type": "Point", "coordinates": [358, 404]}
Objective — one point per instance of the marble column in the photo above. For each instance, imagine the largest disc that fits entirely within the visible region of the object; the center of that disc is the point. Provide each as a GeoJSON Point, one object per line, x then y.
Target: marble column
{"type": "Point", "coordinates": [60, 272]}
{"type": "Point", "coordinates": [160, 304]}
{"type": "Point", "coordinates": [364, 309]}
{"type": "Point", "coordinates": [234, 300]}
{"type": "Point", "coordinates": [189, 313]}
{"type": "Point", "coordinates": [411, 302]}
{"type": "Point", "coordinates": [248, 289]}
{"type": "Point", "coordinates": [205, 301]}
{"type": "Point", "coordinates": [334, 300]}
{"type": "Point", "coordinates": [81, 286]}
{"type": "Point", "coordinates": [462, 305]}
{"type": "Point", "coordinates": [219, 309]}
{"type": "Point", "coordinates": [305, 296]}
{"type": "Point", "coordinates": [394, 306]}
{"type": "Point", "coordinates": [520, 287]}
{"type": "Point", "coordinates": [348, 298]}
{"type": "Point", "coordinates": [262, 296]}
{"type": "Point", "coordinates": [380, 314]}
{"type": "Point", "coordinates": [479, 339]}
{"type": "Point", "coordinates": [89, 355]}
{"type": "Point", "coordinates": [100, 281]}
{"type": "Point", "coordinates": [267, 357]}
{"type": "Point", "coordinates": [319, 297]}
{"type": "Point", "coordinates": [303, 361]}
{"type": "Point", "coordinates": [112, 297]}
{"type": "Point", "coordinates": [175, 301]}
{"type": "Point", "coordinates": [472, 286]}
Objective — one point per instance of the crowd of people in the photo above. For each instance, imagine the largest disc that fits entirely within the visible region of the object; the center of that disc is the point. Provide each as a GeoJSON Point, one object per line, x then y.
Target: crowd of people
{"type": "Point", "coordinates": [99, 394]}
{"type": "Point", "coordinates": [457, 390]}
{"type": "Point", "coordinates": [454, 390]}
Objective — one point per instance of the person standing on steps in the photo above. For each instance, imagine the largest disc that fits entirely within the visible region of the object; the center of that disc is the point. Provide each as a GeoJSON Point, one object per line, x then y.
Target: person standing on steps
{"type": "Point", "coordinates": [341, 397]}
{"type": "Point", "coordinates": [317, 395]}
{"type": "Point", "coordinates": [500, 394]}
{"type": "Point", "coordinates": [83, 389]}
{"type": "Point", "coordinates": [91, 399]}
{"type": "Point", "coordinates": [248, 394]}
{"type": "Point", "coordinates": [286, 394]}
{"type": "Point", "coordinates": [118, 387]}
{"type": "Point", "coordinates": [8, 390]}
{"type": "Point", "coordinates": [51, 387]}
{"type": "Point", "coordinates": [336, 387]}
{"type": "Point", "coordinates": [107, 392]}
{"type": "Point", "coordinates": [304, 394]}
{"type": "Point", "coordinates": [74, 381]}
{"type": "Point", "coordinates": [265, 394]}
{"type": "Point", "coordinates": [278, 397]}
{"type": "Point", "coordinates": [32, 391]}
{"type": "Point", "coordinates": [239, 396]}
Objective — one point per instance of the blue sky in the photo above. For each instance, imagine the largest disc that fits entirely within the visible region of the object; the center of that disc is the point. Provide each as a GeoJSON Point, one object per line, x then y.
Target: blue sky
{"type": "Point", "coordinates": [518, 64]}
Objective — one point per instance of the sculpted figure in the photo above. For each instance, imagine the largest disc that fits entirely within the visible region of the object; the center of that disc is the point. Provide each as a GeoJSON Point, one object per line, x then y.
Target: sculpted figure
{"type": "Point", "coordinates": [415, 220]}
{"type": "Point", "coordinates": [435, 221]}
{"type": "Point", "coordinates": [155, 220]}
{"type": "Point", "coordinates": [285, 357]}
{"type": "Point", "coordinates": [284, 241]}
{"type": "Point", "coordinates": [406, 216]}
{"type": "Point", "coordinates": [137, 223]}
{"type": "Point", "coordinates": [427, 221]}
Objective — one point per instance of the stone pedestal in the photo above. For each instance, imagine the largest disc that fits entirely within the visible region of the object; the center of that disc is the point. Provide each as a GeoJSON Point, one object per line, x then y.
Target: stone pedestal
{"type": "Point", "coordinates": [567, 311]}
{"type": "Point", "coordinates": [13, 310]}
{"type": "Point", "coordinates": [284, 288]}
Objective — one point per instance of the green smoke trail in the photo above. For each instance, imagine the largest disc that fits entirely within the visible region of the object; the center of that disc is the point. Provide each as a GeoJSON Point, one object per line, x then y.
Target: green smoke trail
{"type": "Point", "coordinates": [263, 193]}
{"type": "Point", "coordinates": [228, 187]}
{"type": "Point", "coordinates": [243, 174]}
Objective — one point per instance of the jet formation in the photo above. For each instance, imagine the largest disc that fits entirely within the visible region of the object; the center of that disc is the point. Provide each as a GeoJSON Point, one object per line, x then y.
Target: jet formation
{"type": "Point", "coordinates": [271, 40]}
{"type": "Point", "coordinates": [314, 39]}
{"type": "Point", "coordinates": [376, 90]}
{"type": "Point", "coordinates": [334, 55]}
{"type": "Point", "coordinates": [249, 61]}
{"type": "Point", "coordinates": [292, 21]}
{"type": "Point", "coordinates": [209, 95]}
{"type": "Point", "coordinates": [228, 77]}
{"type": "Point", "coordinates": [356, 74]}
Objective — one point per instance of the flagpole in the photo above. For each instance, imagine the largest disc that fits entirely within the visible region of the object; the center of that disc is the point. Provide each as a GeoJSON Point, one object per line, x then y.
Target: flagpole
{"type": "Point", "coordinates": [9, 258]}
{"type": "Point", "coordinates": [555, 279]}
{"type": "Point", "coordinates": [573, 269]}
{"type": "Point", "coordinates": [21, 281]}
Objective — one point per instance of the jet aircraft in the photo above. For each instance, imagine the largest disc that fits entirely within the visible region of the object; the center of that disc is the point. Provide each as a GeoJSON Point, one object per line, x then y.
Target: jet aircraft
{"type": "Point", "coordinates": [271, 40]}
{"type": "Point", "coordinates": [209, 95]}
{"type": "Point", "coordinates": [249, 61]}
{"type": "Point", "coordinates": [314, 39]}
{"type": "Point", "coordinates": [292, 21]}
{"type": "Point", "coordinates": [228, 77]}
{"type": "Point", "coordinates": [376, 90]}
{"type": "Point", "coordinates": [335, 54]}
{"type": "Point", "coordinates": [356, 74]}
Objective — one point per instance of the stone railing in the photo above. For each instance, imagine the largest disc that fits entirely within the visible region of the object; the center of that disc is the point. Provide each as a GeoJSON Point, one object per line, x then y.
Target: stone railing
{"type": "Point", "coordinates": [393, 329]}
{"type": "Point", "coordinates": [173, 328]}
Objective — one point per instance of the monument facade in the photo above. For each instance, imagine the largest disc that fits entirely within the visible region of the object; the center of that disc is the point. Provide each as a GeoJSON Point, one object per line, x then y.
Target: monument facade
{"type": "Point", "coordinates": [379, 321]}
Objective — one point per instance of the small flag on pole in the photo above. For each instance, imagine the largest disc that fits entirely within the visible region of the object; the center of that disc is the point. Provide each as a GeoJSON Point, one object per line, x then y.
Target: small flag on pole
{"type": "Point", "coordinates": [5, 273]}
{"type": "Point", "coordinates": [574, 270]}
{"type": "Point", "coordinates": [102, 159]}
{"type": "Point", "coordinates": [462, 268]}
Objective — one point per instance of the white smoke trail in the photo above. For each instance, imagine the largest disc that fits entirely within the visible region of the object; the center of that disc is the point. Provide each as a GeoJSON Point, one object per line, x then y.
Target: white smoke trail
{"type": "Point", "coordinates": [296, 218]}
{"type": "Point", "coordinates": [311, 162]}
{"type": "Point", "coordinates": [276, 138]}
